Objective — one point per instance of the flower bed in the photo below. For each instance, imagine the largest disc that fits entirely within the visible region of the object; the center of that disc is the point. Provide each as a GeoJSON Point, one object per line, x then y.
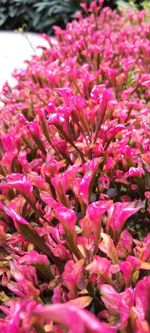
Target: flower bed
{"type": "Point", "coordinates": [74, 182]}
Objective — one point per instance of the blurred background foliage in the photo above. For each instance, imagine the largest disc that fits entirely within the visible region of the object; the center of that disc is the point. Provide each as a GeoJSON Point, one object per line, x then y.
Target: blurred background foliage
{"type": "Point", "coordinates": [41, 16]}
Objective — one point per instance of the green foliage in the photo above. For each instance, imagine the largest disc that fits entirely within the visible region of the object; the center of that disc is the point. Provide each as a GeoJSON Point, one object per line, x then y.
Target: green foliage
{"type": "Point", "coordinates": [39, 16]}
{"type": "Point", "coordinates": [133, 4]}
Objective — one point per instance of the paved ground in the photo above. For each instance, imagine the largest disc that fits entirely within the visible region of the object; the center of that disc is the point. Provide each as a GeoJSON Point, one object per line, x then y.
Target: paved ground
{"type": "Point", "coordinates": [16, 47]}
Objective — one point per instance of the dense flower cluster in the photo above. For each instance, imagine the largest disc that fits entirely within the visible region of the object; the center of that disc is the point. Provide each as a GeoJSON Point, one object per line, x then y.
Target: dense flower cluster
{"type": "Point", "coordinates": [74, 182]}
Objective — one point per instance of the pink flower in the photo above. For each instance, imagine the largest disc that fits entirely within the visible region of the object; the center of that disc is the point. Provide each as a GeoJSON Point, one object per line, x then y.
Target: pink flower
{"type": "Point", "coordinates": [117, 304]}
{"type": "Point", "coordinates": [72, 277]}
{"type": "Point", "coordinates": [125, 244]}
{"type": "Point", "coordinates": [72, 317]}
{"type": "Point", "coordinates": [95, 211]}
{"type": "Point", "coordinates": [86, 182]}
{"type": "Point", "coordinates": [21, 183]}
{"type": "Point", "coordinates": [111, 133]}
{"type": "Point", "coordinates": [119, 212]}
{"type": "Point", "coordinates": [74, 180]}
{"type": "Point", "coordinates": [34, 258]}
{"type": "Point", "coordinates": [67, 217]}
{"type": "Point", "coordinates": [128, 267]}
{"type": "Point", "coordinates": [100, 266]}
{"type": "Point", "coordinates": [26, 229]}
{"type": "Point", "coordinates": [107, 246]}
{"type": "Point", "coordinates": [142, 300]}
{"type": "Point", "coordinates": [134, 172]}
{"type": "Point", "coordinates": [101, 113]}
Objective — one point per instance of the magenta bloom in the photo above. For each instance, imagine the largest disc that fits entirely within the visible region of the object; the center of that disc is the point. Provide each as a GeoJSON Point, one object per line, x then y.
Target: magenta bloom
{"type": "Point", "coordinates": [117, 304]}
{"type": "Point", "coordinates": [20, 183]}
{"type": "Point", "coordinates": [74, 179]}
{"type": "Point", "coordinates": [73, 317]}
{"type": "Point", "coordinates": [119, 213]}
{"type": "Point", "coordinates": [142, 299]}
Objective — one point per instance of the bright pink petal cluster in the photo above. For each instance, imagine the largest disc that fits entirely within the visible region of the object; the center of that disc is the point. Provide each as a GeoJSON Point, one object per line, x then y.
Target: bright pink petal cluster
{"type": "Point", "coordinates": [74, 181]}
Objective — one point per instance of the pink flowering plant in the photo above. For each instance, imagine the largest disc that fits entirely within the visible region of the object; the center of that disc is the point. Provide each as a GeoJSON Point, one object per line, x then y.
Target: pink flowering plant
{"type": "Point", "coordinates": [75, 181]}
